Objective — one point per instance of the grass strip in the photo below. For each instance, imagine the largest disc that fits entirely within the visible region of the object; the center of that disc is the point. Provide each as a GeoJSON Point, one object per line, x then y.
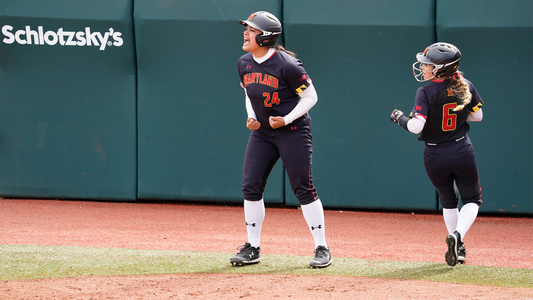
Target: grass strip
{"type": "Point", "coordinates": [24, 262]}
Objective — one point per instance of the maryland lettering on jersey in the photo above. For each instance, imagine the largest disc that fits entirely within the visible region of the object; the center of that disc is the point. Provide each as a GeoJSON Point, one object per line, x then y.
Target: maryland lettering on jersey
{"type": "Point", "coordinates": [261, 79]}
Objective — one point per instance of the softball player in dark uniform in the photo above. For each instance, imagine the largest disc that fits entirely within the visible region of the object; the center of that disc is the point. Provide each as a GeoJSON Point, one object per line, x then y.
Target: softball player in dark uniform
{"type": "Point", "coordinates": [279, 93]}
{"type": "Point", "coordinates": [442, 109]}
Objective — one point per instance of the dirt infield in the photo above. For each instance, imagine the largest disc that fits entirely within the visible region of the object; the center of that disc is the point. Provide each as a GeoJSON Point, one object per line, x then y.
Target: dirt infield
{"type": "Point", "coordinates": [366, 235]}
{"type": "Point", "coordinates": [224, 286]}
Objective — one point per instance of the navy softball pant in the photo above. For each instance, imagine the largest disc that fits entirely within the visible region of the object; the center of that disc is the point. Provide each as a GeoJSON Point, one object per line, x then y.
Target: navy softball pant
{"type": "Point", "coordinates": [295, 147]}
{"type": "Point", "coordinates": [453, 162]}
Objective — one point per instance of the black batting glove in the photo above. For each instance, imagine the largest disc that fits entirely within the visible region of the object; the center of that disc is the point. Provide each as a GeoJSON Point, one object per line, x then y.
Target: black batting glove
{"type": "Point", "coordinates": [396, 115]}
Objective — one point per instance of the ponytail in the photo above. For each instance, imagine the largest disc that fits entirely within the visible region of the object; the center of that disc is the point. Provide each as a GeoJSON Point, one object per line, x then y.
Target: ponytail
{"type": "Point", "coordinates": [281, 48]}
{"type": "Point", "coordinates": [461, 90]}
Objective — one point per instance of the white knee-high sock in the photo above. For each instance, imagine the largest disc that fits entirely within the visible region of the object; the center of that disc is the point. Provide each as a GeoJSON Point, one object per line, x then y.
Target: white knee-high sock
{"type": "Point", "coordinates": [314, 216]}
{"type": "Point", "coordinates": [467, 216]}
{"type": "Point", "coordinates": [451, 216]}
{"type": "Point", "coordinates": [254, 214]}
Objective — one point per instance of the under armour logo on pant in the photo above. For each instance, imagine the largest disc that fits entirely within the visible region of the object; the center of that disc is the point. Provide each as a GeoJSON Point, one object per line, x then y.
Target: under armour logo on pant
{"type": "Point", "coordinates": [250, 224]}
{"type": "Point", "coordinates": [318, 227]}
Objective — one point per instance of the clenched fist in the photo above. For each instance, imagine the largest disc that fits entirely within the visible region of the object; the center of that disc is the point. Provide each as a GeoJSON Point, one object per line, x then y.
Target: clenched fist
{"type": "Point", "coordinates": [396, 115]}
{"type": "Point", "coordinates": [252, 124]}
{"type": "Point", "coordinates": [276, 122]}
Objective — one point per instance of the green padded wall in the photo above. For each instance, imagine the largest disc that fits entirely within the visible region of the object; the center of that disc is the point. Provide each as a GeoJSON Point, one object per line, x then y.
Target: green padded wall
{"type": "Point", "coordinates": [192, 117]}
{"type": "Point", "coordinates": [67, 99]}
{"type": "Point", "coordinates": [496, 42]}
{"type": "Point", "coordinates": [156, 111]}
{"type": "Point", "coordinates": [359, 55]}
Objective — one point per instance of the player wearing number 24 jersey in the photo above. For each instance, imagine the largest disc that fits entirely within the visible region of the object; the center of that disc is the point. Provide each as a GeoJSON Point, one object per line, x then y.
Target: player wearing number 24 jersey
{"type": "Point", "coordinates": [278, 96]}
{"type": "Point", "coordinates": [273, 86]}
{"type": "Point", "coordinates": [440, 117]}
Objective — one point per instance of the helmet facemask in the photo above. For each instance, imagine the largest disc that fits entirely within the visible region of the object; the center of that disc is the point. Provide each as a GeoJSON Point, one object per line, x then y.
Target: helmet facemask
{"type": "Point", "coordinates": [419, 71]}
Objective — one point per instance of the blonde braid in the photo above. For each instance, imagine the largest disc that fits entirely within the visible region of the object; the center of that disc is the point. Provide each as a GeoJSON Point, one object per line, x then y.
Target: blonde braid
{"type": "Point", "coordinates": [461, 90]}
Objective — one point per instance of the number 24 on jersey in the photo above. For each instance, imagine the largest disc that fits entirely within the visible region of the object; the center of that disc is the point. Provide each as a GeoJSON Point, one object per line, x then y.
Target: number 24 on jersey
{"type": "Point", "coordinates": [269, 100]}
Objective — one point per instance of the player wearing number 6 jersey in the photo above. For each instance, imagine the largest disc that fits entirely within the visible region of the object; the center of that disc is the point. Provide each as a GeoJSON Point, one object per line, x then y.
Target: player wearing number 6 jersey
{"type": "Point", "coordinates": [442, 109]}
{"type": "Point", "coordinates": [279, 93]}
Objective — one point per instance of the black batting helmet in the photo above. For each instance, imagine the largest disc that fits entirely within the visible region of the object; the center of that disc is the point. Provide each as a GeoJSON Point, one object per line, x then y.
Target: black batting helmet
{"type": "Point", "coordinates": [444, 57]}
{"type": "Point", "coordinates": [268, 24]}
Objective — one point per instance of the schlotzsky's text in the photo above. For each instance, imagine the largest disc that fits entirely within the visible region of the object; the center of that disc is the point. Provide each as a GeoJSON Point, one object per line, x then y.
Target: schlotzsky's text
{"type": "Point", "coordinates": [27, 36]}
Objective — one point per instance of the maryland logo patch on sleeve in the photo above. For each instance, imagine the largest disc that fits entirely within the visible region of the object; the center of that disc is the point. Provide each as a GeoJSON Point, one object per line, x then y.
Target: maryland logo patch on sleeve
{"type": "Point", "coordinates": [307, 82]}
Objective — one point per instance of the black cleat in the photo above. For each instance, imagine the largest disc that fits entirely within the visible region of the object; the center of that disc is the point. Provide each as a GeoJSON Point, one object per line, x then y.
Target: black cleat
{"type": "Point", "coordinates": [247, 255]}
{"type": "Point", "coordinates": [322, 258]}
{"type": "Point", "coordinates": [461, 254]}
{"type": "Point", "coordinates": [453, 243]}
{"type": "Point", "coordinates": [461, 250]}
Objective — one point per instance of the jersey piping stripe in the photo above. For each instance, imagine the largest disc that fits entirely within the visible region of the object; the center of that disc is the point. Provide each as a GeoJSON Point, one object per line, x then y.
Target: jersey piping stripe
{"type": "Point", "coordinates": [420, 117]}
{"type": "Point", "coordinates": [309, 177]}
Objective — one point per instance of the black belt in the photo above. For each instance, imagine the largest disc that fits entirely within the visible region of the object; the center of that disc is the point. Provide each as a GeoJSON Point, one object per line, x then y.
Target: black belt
{"type": "Point", "coordinates": [456, 140]}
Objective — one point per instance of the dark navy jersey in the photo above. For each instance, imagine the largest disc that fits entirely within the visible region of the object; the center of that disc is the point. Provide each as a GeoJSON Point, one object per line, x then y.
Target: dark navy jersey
{"type": "Point", "coordinates": [435, 102]}
{"type": "Point", "coordinates": [273, 86]}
